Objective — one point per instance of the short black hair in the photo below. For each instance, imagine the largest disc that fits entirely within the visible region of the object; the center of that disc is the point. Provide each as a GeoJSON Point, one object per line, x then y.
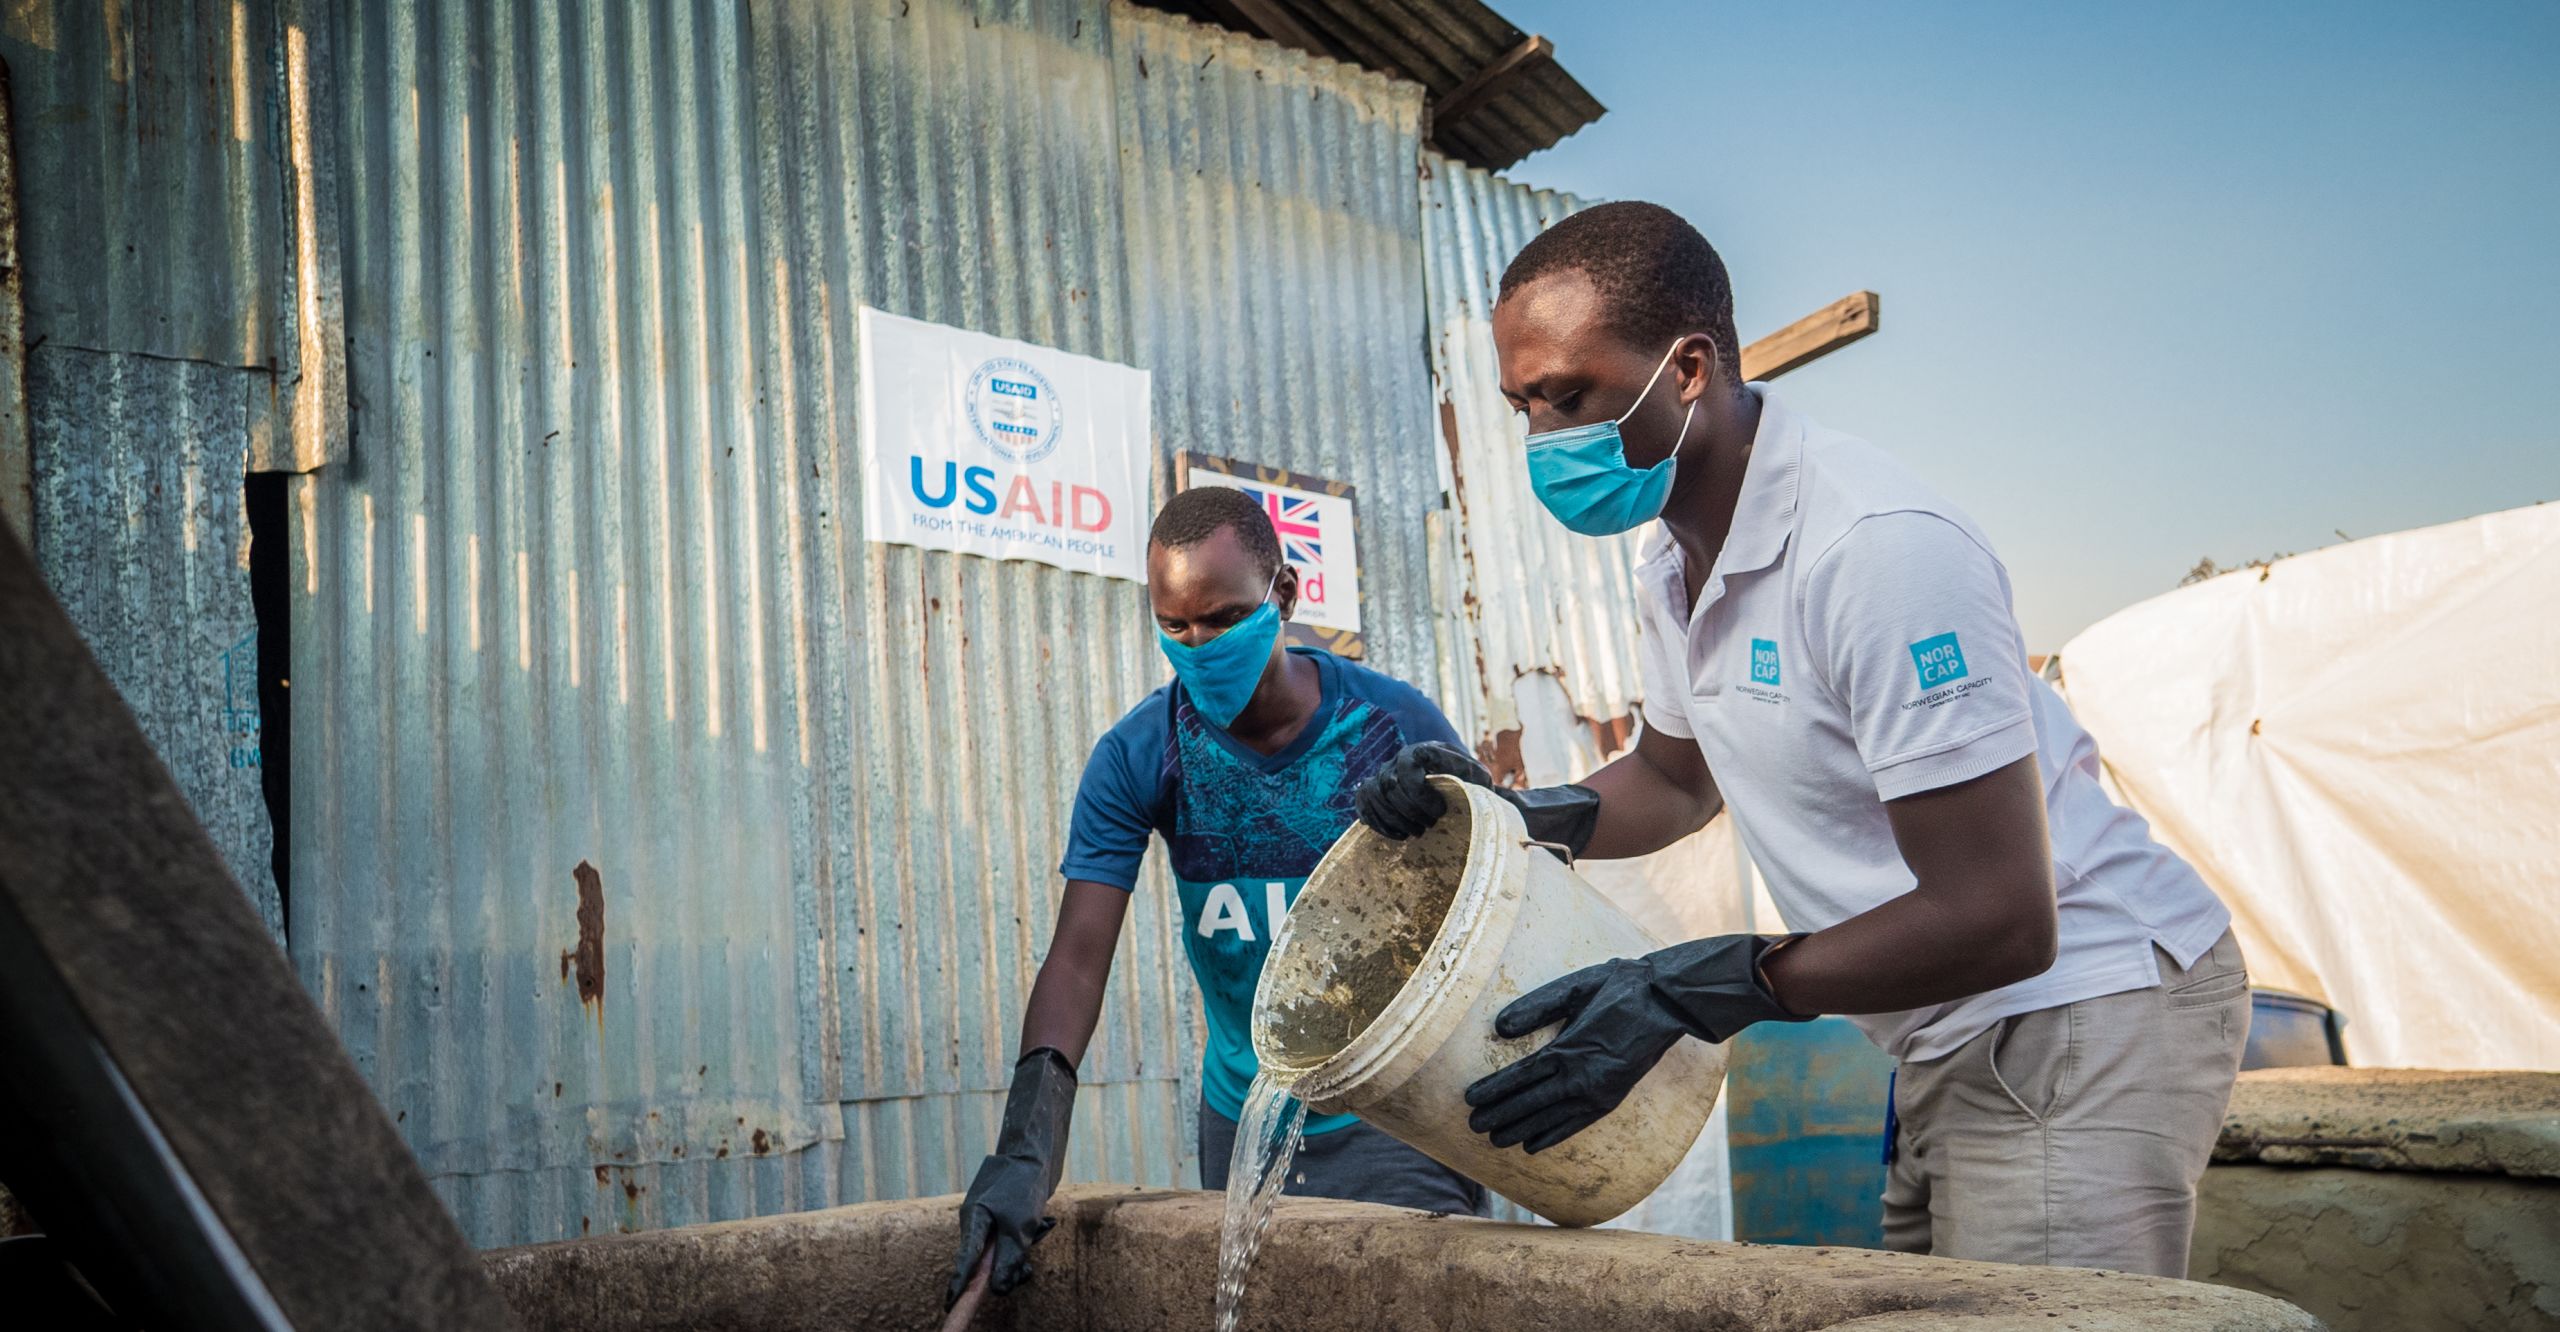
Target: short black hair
{"type": "Point", "coordinates": [1658, 276]}
{"type": "Point", "coordinates": [1202, 512]}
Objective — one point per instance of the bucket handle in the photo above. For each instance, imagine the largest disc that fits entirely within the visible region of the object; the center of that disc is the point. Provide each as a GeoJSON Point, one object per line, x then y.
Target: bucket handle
{"type": "Point", "coordinates": [1563, 852]}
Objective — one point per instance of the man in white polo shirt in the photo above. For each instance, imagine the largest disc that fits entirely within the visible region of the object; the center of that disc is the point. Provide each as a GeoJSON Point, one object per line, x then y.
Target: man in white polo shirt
{"type": "Point", "coordinates": [1829, 652]}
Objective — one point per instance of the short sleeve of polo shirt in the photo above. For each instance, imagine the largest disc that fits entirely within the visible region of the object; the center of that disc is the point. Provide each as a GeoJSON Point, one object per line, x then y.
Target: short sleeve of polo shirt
{"type": "Point", "coordinates": [1117, 798]}
{"type": "Point", "coordinates": [1909, 616]}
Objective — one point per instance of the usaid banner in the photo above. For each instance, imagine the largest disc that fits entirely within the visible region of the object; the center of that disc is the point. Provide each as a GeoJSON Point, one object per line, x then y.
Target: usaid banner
{"type": "Point", "coordinates": [1313, 518]}
{"type": "Point", "coordinates": [992, 447]}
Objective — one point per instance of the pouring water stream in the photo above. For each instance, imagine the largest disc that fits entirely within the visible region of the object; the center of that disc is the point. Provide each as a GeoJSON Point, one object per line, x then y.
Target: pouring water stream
{"type": "Point", "coordinates": [1266, 1139]}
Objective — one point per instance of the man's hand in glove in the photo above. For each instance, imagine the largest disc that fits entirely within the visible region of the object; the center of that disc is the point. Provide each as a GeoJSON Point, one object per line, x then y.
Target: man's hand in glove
{"type": "Point", "coordinates": [1004, 1204]}
{"type": "Point", "coordinates": [1398, 800]}
{"type": "Point", "coordinates": [1620, 1017]}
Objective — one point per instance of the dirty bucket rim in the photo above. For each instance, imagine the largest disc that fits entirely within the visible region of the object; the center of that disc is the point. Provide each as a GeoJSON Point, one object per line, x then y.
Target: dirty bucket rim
{"type": "Point", "coordinates": [1434, 980]}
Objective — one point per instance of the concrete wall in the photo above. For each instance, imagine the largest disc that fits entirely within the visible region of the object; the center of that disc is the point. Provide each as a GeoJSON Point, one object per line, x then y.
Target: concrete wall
{"type": "Point", "coordinates": [1124, 1258]}
{"type": "Point", "coordinates": [2389, 1198]}
{"type": "Point", "coordinates": [2390, 1251]}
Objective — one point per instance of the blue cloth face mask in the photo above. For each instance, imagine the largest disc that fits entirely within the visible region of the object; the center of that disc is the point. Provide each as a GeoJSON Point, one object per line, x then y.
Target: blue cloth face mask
{"type": "Point", "coordinates": [1581, 474]}
{"type": "Point", "coordinates": [1221, 674]}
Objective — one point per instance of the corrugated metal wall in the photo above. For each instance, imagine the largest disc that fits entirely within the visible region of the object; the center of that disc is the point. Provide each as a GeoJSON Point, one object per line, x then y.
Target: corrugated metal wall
{"type": "Point", "coordinates": [1276, 269]}
{"type": "Point", "coordinates": [149, 196]}
{"type": "Point", "coordinates": [138, 463]}
{"type": "Point", "coordinates": [663, 850]}
{"type": "Point", "coordinates": [1533, 597]}
{"type": "Point", "coordinates": [148, 156]}
{"type": "Point", "coordinates": [582, 614]}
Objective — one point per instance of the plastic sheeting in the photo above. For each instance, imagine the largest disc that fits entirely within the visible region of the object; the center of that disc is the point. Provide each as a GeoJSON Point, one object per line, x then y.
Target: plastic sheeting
{"type": "Point", "coordinates": [2360, 750]}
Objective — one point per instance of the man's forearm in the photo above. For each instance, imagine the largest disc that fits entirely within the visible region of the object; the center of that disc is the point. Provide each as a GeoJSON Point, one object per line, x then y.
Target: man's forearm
{"type": "Point", "coordinates": [1980, 916]}
{"type": "Point", "coordinates": [1643, 809]}
{"type": "Point", "coordinates": [1064, 1008]}
{"type": "Point", "coordinates": [1066, 997]}
{"type": "Point", "coordinates": [1908, 953]}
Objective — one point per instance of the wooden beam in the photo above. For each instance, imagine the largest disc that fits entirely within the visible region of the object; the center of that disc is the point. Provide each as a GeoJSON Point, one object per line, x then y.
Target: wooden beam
{"type": "Point", "coordinates": [1270, 19]}
{"type": "Point", "coordinates": [1481, 85]}
{"type": "Point", "coordinates": [1817, 335]}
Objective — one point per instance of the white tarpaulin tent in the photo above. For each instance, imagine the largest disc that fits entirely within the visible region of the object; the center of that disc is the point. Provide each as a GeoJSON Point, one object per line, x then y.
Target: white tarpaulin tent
{"type": "Point", "coordinates": [2360, 749]}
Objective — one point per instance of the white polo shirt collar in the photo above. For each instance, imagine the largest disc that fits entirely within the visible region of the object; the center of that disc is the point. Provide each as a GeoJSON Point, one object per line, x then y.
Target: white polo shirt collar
{"type": "Point", "coordinates": [1763, 515]}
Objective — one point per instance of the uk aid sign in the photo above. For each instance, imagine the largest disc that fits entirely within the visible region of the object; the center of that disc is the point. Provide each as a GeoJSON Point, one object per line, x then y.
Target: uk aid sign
{"type": "Point", "coordinates": [1313, 518]}
{"type": "Point", "coordinates": [988, 446]}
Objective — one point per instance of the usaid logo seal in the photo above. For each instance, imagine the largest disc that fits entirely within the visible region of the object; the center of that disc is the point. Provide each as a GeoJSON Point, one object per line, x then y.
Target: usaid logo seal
{"type": "Point", "coordinates": [1014, 409]}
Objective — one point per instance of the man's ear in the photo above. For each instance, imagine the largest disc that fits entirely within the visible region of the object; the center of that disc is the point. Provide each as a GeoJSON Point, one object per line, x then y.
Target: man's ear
{"type": "Point", "coordinates": [1695, 363]}
{"type": "Point", "coordinates": [1285, 593]}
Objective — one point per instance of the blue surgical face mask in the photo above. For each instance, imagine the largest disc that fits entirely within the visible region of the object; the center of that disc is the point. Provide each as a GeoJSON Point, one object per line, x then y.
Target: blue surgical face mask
{"type": "Point", "coordinates": [1581, 474]}
{"type": "Point", "coordinates": [1221, 674]}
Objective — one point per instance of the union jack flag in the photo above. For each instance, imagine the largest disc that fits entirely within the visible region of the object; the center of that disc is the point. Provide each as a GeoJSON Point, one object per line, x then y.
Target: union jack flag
{"type": "Point", "coordinates": [1295, 519]}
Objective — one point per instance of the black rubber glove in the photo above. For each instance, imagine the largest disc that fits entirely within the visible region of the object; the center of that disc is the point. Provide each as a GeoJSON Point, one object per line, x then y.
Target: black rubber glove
{"type": "Point", "coordinates": [1398, 800]}
{"type": "Point", "coordinates": [1620, 1017]}
{"type": "Point", "coordinates": [1005, 1201]}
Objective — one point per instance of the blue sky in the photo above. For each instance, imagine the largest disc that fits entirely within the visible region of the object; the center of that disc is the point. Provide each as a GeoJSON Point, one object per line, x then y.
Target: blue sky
{"type": "Point", "coordinates": [2160, 281]}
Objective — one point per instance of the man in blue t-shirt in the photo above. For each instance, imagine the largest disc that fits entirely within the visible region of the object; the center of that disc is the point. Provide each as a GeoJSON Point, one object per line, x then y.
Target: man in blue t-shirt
{"type": "Point", "coordinates": [1245, 764]}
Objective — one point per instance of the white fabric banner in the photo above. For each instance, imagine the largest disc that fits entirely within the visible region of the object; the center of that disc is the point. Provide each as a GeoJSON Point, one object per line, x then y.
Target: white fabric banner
{"type": "Point", "coordinates": [2359, 748]}
{"type": "Point", "coordinates": [993, 447]}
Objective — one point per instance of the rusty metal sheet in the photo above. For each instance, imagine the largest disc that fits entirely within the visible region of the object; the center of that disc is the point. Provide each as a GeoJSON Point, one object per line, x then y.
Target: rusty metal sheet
{"type": "Point", "coordinates": [1276, 276]}
{"type": "Point", "coordinates": [1534, 598]}
{"type": "Point", "coordinates": [148, 133]}
{"type": "Point", "coordinates": [300, 423]}
{"type": "Point", "coordinates": [178, 1113]}
{"type": "Point", "coordinates": [1442, 45]}
{"type": "Point", "coordinates": [662, 850]}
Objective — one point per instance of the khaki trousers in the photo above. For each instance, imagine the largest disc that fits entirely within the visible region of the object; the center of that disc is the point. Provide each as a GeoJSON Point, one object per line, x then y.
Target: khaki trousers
{"type": "Point", "coordinates": [2073, 1136]}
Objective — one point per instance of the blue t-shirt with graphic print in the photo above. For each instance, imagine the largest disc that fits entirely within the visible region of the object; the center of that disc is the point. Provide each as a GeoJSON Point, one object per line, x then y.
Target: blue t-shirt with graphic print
{"type": "Point", "coordinates": [1242, 831]}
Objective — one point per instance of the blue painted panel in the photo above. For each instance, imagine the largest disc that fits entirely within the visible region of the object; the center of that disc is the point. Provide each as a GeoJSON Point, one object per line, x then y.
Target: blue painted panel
{"type": "Point", "coordinates": [1806, 1103]}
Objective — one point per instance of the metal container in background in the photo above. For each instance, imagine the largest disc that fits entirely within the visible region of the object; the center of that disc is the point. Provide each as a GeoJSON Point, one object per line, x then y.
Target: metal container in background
{"type": "Point", "coordinates": [2288, 1030]}
{"type": "Point", "coordinates": [1806, 1108]}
